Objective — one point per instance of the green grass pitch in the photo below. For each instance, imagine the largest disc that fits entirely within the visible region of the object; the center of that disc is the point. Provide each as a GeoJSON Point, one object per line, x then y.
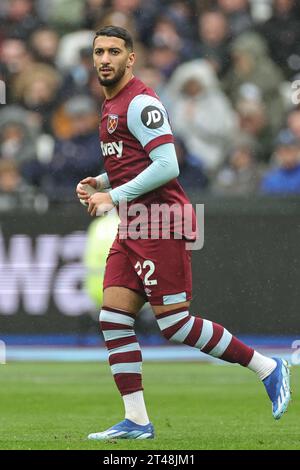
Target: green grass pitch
{"type": "Point", "coordinates": [192, 405]}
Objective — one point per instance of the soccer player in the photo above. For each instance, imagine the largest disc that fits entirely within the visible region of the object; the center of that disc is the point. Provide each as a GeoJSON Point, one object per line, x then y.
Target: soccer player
{"type": "Point", "coordinates": [141, 167]}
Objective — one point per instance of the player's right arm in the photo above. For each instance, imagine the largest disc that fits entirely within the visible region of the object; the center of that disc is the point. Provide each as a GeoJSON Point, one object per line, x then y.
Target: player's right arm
{"type": "Point", "coordinates": [99, 183]}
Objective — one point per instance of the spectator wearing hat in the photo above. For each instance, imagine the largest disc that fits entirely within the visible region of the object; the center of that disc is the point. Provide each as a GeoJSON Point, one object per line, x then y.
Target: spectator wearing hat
{"type": "Point", "coordinates": [201, 115]}
{"type": "Point", "coordinates": [284, 178]}
{"type": "Point", "coordinates": [253, 65]}
{"type": "Point", "coordinates": [78, 155]}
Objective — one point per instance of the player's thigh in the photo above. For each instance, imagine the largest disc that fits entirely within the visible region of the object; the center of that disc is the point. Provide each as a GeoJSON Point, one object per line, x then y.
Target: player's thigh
{"type": "Point", "coordinates": [158, 309]}
{"type": "Point", "coordinates": [123, 299]}
{"type": "Point", "coordinates": [164, 267]}
{"type": "Point", "coordinates": [122, 288]}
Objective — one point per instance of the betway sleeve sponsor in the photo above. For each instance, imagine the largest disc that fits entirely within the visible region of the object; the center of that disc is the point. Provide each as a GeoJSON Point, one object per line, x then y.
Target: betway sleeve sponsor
{"type": "Point", "coordinates": [148, 121]}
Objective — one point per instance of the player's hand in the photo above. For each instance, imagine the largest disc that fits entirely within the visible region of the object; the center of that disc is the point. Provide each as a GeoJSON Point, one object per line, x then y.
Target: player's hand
{"type": "Point", "coordinates": [80, 191]}
{"type": "Point", "coordinates": [99, 203]}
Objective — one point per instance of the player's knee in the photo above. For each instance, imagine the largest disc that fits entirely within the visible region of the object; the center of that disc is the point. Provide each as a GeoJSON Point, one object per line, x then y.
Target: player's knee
{"type": "Point", "coordinates": [109, 318]}
{"type": "Point", "coordinates": [171, 322]}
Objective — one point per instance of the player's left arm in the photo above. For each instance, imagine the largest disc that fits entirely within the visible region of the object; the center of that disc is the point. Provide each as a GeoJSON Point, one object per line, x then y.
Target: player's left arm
{"type": "Point", "coordinates": [164, 168]}
{"type": "Point", "coordinates": [148, 121]}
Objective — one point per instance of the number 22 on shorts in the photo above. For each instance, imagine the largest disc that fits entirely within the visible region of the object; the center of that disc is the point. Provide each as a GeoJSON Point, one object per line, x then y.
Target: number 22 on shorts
{"type": "Point", "coordinates": [151, 268]}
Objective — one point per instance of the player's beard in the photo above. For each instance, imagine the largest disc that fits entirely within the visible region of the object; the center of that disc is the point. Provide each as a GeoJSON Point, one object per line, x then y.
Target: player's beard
{"type": "Point", "coordinates": [112, 81]}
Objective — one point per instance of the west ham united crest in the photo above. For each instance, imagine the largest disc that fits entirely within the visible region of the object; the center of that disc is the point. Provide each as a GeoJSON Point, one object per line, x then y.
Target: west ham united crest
{"type": "Point", "coordinates": [112, 122]}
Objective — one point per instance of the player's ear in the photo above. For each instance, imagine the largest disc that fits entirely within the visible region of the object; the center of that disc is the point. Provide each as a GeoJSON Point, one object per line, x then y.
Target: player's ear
{"type": "Point", "coordinates": [131, 60]}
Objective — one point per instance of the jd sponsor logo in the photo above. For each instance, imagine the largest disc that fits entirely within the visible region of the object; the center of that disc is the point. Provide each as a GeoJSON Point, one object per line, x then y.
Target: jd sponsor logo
{"type": "Point", "coordinates": [152, 117]}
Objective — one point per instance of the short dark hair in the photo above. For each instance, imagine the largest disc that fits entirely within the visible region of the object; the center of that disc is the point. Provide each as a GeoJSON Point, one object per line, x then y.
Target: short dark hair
{"type": "Point", "coordinates": [116, 32]}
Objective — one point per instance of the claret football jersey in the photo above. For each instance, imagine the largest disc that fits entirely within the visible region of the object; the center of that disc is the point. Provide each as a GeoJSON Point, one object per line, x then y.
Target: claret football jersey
{"type": "Point", "coordinates": [133, 123]}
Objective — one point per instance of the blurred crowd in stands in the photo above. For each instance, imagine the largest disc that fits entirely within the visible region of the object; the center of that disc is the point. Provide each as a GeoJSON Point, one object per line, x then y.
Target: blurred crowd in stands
{"type": "Point", "coordinates": [223, 68]}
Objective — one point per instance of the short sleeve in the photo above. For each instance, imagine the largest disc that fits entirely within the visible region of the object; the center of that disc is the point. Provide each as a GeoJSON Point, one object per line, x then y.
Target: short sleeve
{"type": "Point", "coordinates": [147, 120]}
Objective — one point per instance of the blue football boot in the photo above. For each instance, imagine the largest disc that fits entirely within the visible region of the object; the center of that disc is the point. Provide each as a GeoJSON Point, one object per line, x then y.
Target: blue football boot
{"type": "Point", "coordinates": [278, 388]}
{"type": "Point", "coordinates": [125, 430]}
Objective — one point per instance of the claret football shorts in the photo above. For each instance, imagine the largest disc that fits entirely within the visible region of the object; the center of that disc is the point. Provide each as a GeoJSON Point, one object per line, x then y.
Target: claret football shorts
{"type": "Point", "coordinates": [159, 270]}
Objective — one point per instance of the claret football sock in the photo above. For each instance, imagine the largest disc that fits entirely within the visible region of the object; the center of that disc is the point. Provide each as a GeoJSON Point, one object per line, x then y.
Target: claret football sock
{"type": "Point", "coordinates": [263, 366]}
{"type": "Point", "coordinates": [213, 339]}
{"type": "Point", "coordinates": [124, 352]}
{"type": "Point", "coordinates": [125, 359]}
{"type": "Point", "coordinates": [135, 408]}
